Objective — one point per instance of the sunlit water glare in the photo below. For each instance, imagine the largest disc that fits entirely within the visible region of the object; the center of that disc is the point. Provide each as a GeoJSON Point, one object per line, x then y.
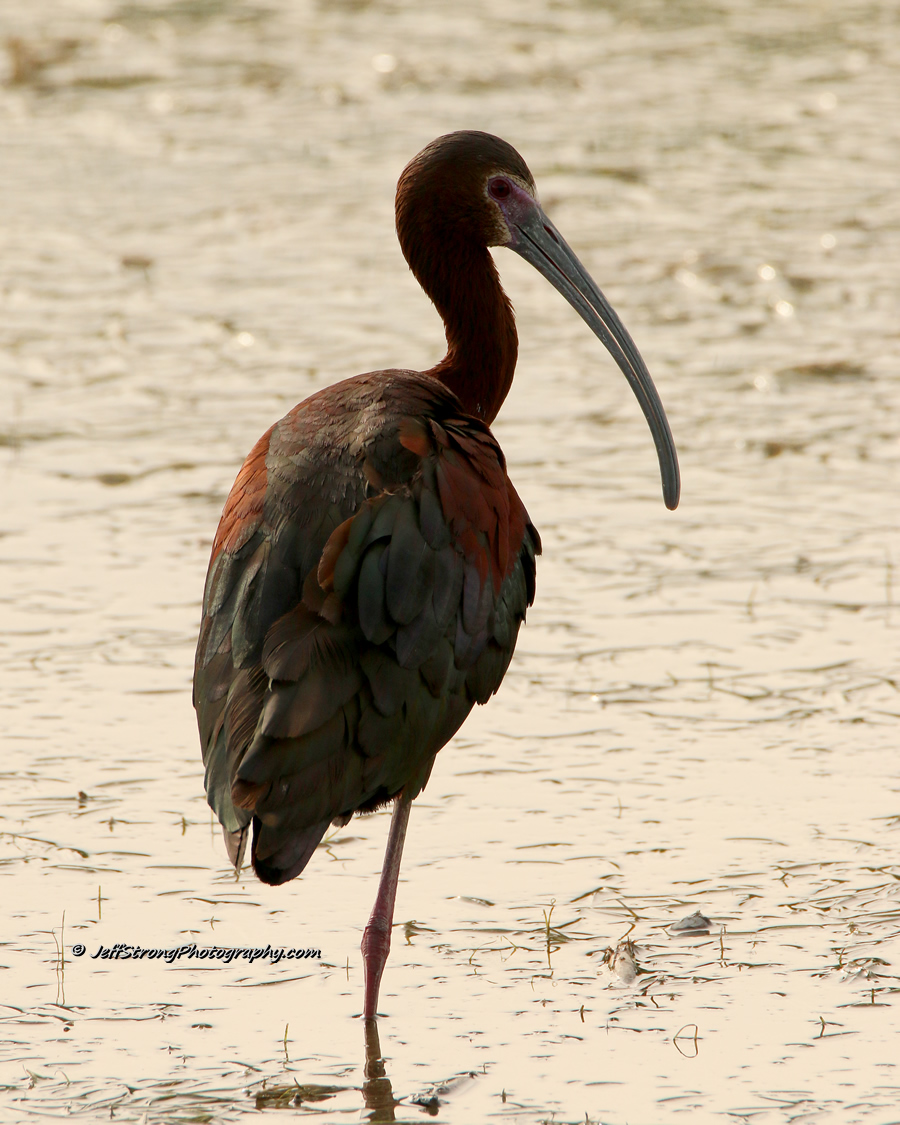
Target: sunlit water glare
{"type": "Point", "coordinates": [196, 233]}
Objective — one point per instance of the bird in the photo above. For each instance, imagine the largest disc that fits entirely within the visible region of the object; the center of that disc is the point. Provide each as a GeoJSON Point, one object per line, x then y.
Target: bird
{"type": "Point", "coordinates": [374, 563]}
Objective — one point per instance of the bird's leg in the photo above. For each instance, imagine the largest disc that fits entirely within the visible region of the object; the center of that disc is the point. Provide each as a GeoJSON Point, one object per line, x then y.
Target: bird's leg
{"type": "Point", "coordinates": [376, 942]}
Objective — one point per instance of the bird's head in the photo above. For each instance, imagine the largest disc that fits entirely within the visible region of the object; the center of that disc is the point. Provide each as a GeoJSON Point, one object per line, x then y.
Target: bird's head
{"type": "Point", "coordinates": [469, 190]}
{"type": "Point", "coordinates": [470, 183]}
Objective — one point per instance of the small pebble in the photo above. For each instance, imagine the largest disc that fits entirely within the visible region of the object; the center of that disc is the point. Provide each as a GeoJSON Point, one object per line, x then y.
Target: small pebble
{"type": "Point", "coordinates": [693, 923]}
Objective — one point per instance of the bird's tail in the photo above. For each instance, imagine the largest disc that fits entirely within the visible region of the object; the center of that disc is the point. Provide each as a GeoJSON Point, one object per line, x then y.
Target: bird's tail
{"type": "Point", "coordinates": [236, 845]}
{"type": "Point", "coordinates": [276, 862]}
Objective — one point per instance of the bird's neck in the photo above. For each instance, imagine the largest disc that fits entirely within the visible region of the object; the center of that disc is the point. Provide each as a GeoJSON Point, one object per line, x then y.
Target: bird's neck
{"type": "Point", "coordinates": [482, 344]}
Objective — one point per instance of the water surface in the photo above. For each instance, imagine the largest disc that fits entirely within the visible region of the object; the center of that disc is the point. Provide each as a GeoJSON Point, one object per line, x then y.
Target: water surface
{"type": "Point", "coordinates": [197, 232]}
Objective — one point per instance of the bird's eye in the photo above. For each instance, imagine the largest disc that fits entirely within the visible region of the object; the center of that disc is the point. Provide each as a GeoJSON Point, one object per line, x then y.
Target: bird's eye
{"type": "Point", "coordinates": [499, 189]}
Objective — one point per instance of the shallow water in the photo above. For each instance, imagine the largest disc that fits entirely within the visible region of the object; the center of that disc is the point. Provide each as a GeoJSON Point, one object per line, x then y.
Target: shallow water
{"type": "Point", "coordinates": [196, 232]}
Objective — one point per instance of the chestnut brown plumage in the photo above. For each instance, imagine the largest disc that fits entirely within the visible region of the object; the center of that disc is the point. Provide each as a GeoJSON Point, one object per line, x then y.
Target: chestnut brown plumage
{"type": "Point", "coordinates": [373, 562]}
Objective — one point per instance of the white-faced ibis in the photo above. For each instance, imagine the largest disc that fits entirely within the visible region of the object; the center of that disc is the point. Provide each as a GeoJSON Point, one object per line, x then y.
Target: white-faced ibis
{"type": "Point", "coordinates": [373, 562]}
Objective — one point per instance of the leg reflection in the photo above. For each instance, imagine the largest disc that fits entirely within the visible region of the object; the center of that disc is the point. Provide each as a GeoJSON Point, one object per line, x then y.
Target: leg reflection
{"type": "Point", "coordinates": [376, 1091]}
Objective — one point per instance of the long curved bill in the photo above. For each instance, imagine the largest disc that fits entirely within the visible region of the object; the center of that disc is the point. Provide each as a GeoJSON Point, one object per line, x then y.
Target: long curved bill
{"type": "Point", "coordinates": [538, 241]}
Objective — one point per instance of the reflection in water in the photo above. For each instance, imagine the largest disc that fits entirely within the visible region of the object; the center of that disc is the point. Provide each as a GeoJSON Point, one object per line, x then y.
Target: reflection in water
{"type": "Point", "coordinates": [688, 1035]}
{"type": "Point", "coordinates": [377, 1093]}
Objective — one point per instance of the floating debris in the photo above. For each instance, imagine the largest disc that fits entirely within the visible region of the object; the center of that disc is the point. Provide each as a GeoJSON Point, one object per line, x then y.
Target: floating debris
{"type": "Point", "coordinates": [431, 1103]}
{"type": "Point", "coordinates": [623, 961]}
{"type": "Point", "coordinates": [692, 924]}
{"type": "Point", "coordinates": [282, 1097]}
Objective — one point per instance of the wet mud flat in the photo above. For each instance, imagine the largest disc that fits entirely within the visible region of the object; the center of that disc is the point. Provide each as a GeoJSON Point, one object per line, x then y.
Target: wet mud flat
{"type": "Point", "coordinates": [701, 717]}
